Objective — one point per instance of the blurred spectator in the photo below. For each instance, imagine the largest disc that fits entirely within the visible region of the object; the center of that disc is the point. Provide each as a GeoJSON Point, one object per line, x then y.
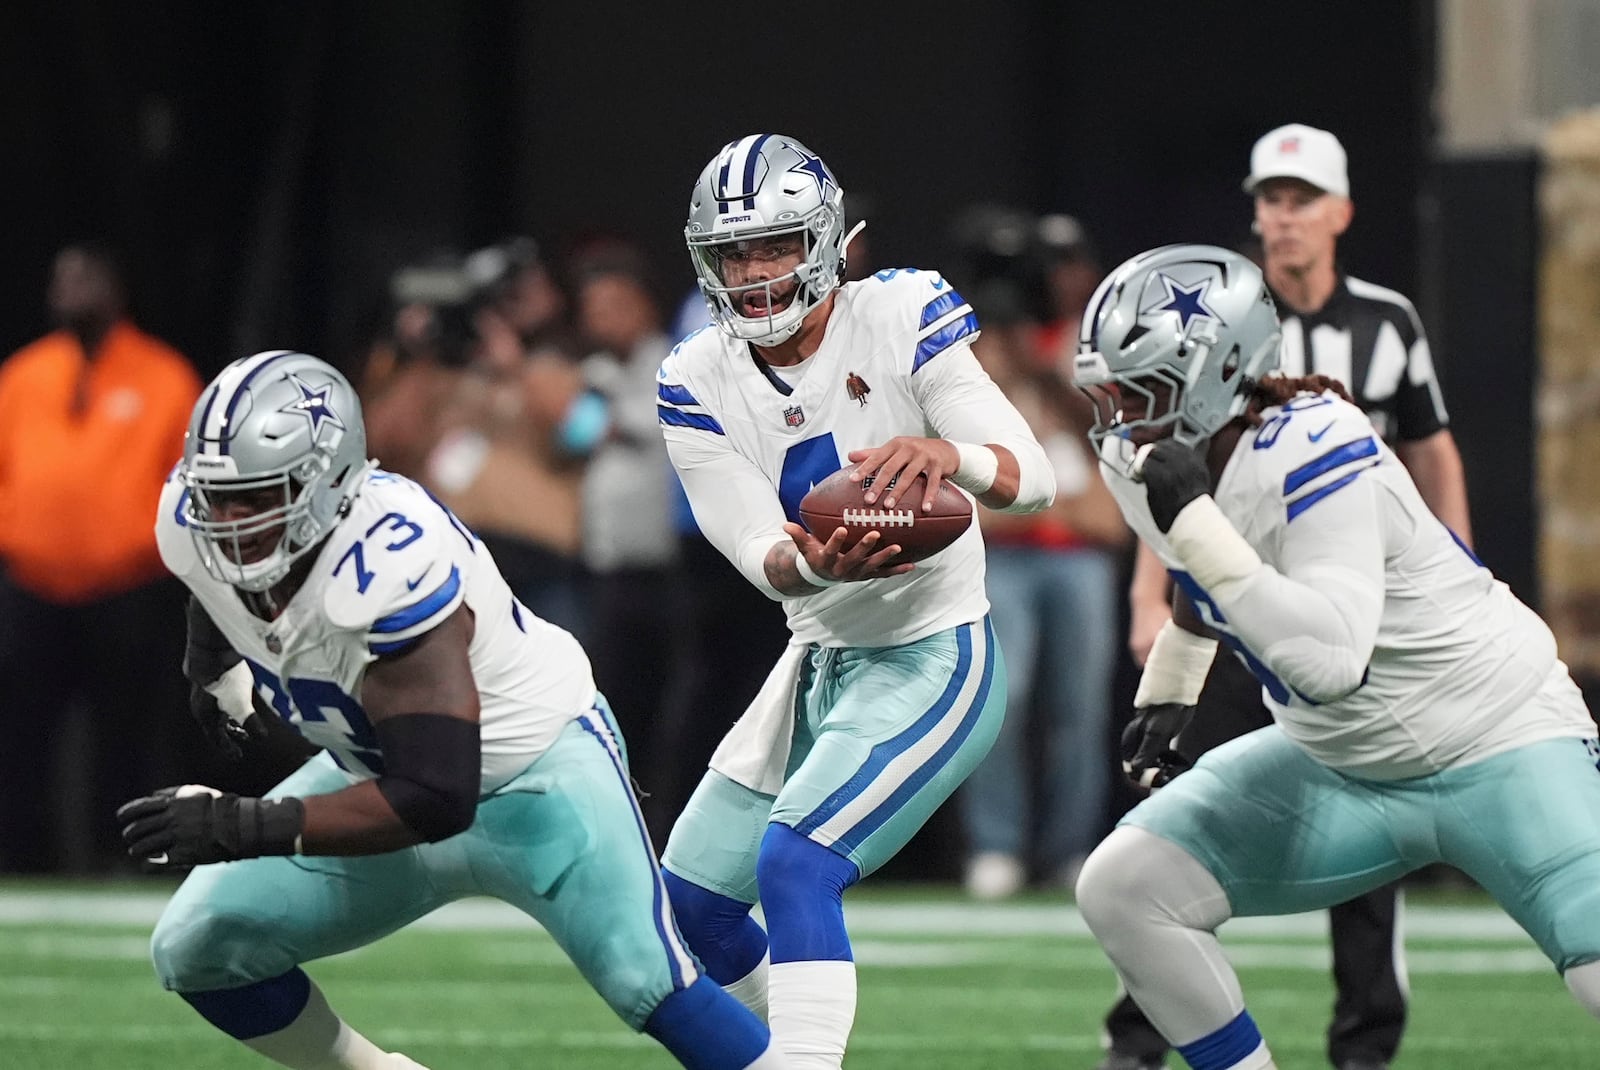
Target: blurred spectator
{"type": "Point", "coordinates": [92, 419]}
{"type": "Point", "coordinates": [629, 538]}
{"type": "Point", "coordinates": [1052, 576]}
{"type": "Point", "coordinates": [1071, 270]}
{"type": "Point", "coordinates": [414, 366]}
{"type": "Point", "coordinates": [511, 467]}
{"type": "Point", "coordinates": [456, 400]}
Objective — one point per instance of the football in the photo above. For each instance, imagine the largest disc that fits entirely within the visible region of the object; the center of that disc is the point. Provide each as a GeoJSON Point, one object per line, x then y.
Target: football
{"type": "Point", "coordinates": [836, 502]}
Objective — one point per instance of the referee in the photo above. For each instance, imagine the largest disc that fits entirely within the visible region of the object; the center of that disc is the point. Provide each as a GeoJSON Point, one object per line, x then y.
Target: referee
{"type": "Point", "coordinates": [1370, 339]}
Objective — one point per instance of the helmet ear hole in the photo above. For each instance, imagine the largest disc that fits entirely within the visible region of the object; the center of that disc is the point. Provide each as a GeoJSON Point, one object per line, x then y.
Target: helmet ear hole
{"type": "Point", "coordinates": [1230, 367]}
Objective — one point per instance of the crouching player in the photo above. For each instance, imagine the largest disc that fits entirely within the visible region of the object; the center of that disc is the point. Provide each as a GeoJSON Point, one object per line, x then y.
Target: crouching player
{"type": "Point", "coordinates": [466, 749]}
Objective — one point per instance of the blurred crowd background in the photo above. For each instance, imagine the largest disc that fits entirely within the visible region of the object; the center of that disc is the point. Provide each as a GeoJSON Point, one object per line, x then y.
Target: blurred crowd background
{"type": "Point", "coordinates": [475, 209]}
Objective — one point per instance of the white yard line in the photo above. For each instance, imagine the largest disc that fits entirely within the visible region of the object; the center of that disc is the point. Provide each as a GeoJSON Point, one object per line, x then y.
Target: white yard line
{"type": "Point", "coordinates": [865, 919]}
{"type": "Point", "coordinates": [620, 1039]}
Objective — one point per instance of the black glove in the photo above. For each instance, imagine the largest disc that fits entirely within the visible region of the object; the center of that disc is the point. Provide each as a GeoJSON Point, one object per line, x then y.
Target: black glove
{"type": "Point", "coordinates": [221, 731]}
{"type": "Point", "coordinates": [1174, 475]}
{"type": "Point", "coordinates": [1148, 757]}
{"type": "Point", "coordinates": [194, 825]}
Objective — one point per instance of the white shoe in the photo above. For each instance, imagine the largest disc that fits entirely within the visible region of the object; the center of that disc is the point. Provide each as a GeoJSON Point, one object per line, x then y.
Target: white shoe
{"type": "Point", "coordinates": [995, 875]}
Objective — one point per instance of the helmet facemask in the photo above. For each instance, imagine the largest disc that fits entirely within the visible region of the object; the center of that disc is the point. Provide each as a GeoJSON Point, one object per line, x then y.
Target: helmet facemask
{"type": "Point", "coordinates": [799, 290]}
{"type": "Point", "coordinates": [1151, 375]}
{"type": "Point", "coordinates": [223, 544]}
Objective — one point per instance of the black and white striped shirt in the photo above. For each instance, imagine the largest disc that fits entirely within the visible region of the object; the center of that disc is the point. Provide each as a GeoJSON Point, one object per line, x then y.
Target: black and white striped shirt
{"type": "Point", "coordinates": [1370, 339]}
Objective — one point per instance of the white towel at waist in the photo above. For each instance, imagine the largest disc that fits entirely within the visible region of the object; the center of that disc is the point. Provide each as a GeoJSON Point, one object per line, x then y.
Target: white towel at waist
{"type": "Point", "coordinates": [755, 752]}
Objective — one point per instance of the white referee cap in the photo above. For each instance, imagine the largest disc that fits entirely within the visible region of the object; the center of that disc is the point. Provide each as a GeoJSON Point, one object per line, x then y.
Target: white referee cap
{"type": "Point", "coordinates": [1303, 152]}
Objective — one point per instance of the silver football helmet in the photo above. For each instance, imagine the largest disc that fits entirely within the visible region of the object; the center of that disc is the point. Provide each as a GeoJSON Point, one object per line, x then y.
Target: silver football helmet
{"type": "Point", "coordinates": [1174, 339]}
{"type": "Point", "coordinates": [285, 427]}
{"type": "Point", "coordinates": [762, 186]}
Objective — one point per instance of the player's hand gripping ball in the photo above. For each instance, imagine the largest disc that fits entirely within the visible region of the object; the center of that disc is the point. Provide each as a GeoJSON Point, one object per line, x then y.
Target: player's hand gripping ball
{"type": "Point", "coordinates": [836, 502]}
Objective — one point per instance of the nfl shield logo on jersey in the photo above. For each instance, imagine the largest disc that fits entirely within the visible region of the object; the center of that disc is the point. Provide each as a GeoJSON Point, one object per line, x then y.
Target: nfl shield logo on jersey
{"type": "Point", "coordinates": [794, 416]}
{"type": "Point", "coordinates": [274, 644]}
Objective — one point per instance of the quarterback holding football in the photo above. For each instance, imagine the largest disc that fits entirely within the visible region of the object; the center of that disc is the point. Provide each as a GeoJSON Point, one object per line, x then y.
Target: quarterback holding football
{"type": "Point", "coordinates": [893, 688]}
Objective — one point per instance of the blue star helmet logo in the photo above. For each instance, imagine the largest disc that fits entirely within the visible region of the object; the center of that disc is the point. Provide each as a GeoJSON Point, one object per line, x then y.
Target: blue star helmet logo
{"type": "Point", "coordinates": [1186, 302]}
{"type": "Point", "coordinates": [313, 405]}
{"type": "Point", "coordinates": [812, 167]}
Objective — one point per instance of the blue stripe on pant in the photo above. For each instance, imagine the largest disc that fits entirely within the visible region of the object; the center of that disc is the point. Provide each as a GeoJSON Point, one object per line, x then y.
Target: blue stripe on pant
{"type": "Point", "coordinates": [563, 841]}
{"type": "Point", "coordinates": [923, 741]}
{"type": "Point", "coordinates": [600, 724]}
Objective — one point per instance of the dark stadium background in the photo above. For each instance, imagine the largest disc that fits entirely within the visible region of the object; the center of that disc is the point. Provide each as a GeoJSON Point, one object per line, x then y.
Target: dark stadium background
{"type": "Point", "coordinates": [263, 165]}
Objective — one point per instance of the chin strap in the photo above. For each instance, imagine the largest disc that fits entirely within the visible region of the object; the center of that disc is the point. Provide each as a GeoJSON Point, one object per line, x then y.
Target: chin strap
{"type": "Point", "coordinates": [844, 246]}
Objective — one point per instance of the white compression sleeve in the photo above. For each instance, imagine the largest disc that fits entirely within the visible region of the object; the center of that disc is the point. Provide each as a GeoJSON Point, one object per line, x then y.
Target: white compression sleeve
{"type": "Point", "coordinates": [1315, 623]}
{"type": "Point", "coordinates": [733, 502]}
{"type": "Point", "coordinates": [1176, 669]}
{"type": "Point", "coordinates": [1155, 910]}
{"type": "Point", "coordinates": [964, 405]}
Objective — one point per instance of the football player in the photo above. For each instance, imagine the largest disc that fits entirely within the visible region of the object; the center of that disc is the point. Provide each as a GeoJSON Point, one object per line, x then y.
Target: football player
{"type": "Point", "coordinates": [892, 688]}
{"type": "Point", "coordinates": [466, 749]}
{"type": "Point", "coordinates": [1421, 714]}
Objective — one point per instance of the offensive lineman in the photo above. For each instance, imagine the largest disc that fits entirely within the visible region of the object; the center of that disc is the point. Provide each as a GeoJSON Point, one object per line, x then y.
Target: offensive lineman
{"type": "Point", "coordinates": [1421, 713]}
{"type": "Point", "coordinates": [892, 688]}
{"type": "Point", "coordinates": [467, 751]}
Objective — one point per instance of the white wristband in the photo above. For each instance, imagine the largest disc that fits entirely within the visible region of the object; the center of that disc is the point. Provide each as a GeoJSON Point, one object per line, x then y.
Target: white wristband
{"type": "Point", "coordinates": [804, 568]}
{"type": "Point", "coordinates": [1176, 668]}
{"type": "Point", "coordinates": [977, 469]}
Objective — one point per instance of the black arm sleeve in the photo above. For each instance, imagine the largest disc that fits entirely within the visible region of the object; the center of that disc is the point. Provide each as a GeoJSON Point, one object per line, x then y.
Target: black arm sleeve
{"type": "Point", "coordinates": [432, 774]}
{"type": "Point", "coordinates": [206, 653]}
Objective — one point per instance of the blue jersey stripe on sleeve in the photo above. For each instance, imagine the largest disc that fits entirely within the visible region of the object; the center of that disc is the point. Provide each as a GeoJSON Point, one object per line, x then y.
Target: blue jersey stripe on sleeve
{"type": "Point", "coordinates": [678, 418]}
{"type": "Point", "coordinates": [413, 615]}
{"type": "Point", "coordinates": [940, 307]}
{"type": "Point", "coordinates": [944, 338]}
{"type": "Point", "coordinates": [1339, 455]}
{"type": "Point", "coordinates": [675, 395]}
{"type": "Point", "coordinates": [1306, 501]}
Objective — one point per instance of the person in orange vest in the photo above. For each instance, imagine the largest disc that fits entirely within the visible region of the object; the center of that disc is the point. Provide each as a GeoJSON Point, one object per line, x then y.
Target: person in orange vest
{"type": "Point", "coordinates": [92, 418]}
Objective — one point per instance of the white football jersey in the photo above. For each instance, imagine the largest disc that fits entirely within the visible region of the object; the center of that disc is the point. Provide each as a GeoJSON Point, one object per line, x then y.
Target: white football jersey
{"type": "Point", "coordinates": [1460, 668]}
{"type": "Point", "coordinates": [392, 569]}
{"type": "Point", "coordinates": [895, 359]}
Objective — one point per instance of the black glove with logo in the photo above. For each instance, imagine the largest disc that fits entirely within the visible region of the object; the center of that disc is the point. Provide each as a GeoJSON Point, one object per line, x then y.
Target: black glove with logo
{"type": "Point", "coordinates": [1148, 757]}
{"type": "Point", "coordinates": [193, 825]}
{"type": "Point", "coordinates": [1173, 475]}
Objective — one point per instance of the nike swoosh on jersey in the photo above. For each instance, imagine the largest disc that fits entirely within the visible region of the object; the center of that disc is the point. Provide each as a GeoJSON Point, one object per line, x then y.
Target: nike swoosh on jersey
{"type": "Point", "coordinates": [1316, 436]}
{"type": "Point", "coordinates": [411, 585]}
{"type": "Point", "coordinates": [160, 859]}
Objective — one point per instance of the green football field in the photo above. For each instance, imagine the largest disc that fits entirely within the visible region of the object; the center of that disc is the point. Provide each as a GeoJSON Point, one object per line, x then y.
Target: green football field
{"type": "Point", "coordinates": [944, 984]}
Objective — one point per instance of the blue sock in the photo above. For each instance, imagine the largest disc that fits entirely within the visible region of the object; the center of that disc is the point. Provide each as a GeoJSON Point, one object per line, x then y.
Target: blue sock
{"type": "Point", "coordinates": [254, 1010]}
{"type": "Point", "coordinates": [707, 1029]}
{"type": "Point", "coordinates": [802, 891]}
{"type": "Point", "coordinates": [717, 928]}
{"type": "Point", "coordinates": [1225, 1047]}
